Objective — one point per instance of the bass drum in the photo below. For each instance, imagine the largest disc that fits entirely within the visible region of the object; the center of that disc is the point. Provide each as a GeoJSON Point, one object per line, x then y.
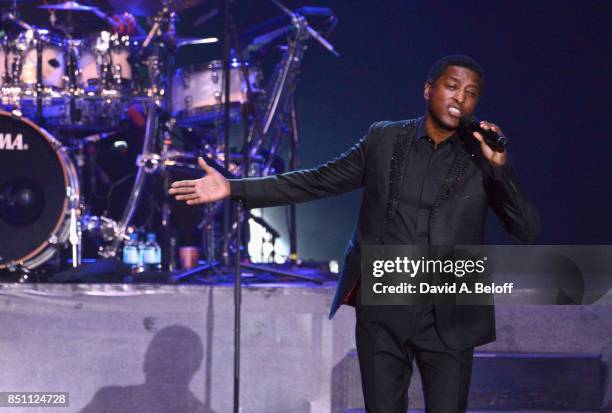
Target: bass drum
{"type": "Point", "coordinates": [38, 181]}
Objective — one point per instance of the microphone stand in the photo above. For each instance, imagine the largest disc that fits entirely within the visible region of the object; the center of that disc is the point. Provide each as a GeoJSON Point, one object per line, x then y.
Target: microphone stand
{"type": "Point", "coordinates": [226, 206]}
{"type": "Point", "coordinates": [226, 124]}
{"type": "Point", "coordinates": [237, 307]}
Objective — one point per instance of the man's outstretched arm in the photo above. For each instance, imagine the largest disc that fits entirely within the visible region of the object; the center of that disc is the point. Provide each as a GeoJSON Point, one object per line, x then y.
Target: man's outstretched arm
{"type": "Point", "coordinates": [343, 174]}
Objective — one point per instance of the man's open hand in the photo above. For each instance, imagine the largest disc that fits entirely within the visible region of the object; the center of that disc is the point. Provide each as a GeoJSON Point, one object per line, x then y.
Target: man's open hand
{"type": "Point", "coordinates": [212, 187]}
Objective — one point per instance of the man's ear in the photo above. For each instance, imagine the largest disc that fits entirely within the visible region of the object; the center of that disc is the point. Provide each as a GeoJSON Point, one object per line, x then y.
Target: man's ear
{"type": "Point", "coordinates": [427, 90]}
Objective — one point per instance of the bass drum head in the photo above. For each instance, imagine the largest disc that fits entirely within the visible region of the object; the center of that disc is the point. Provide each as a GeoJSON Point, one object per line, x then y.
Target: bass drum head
{"type": "Point", "coordinates": [34, 178]}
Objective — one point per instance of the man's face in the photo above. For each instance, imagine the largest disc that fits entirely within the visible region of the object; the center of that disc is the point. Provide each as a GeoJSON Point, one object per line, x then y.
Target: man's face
{"type": "Point", "coordinates": [452, 95]}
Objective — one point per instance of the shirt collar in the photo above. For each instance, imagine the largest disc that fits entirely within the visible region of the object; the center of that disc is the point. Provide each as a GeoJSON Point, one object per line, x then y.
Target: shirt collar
{"type": "Point", "coordinates": [422, 133]}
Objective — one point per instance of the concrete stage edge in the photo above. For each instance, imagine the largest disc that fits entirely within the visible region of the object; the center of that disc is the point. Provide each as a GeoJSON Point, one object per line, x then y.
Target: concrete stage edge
{"type": "Point", "coordinates": [138, 347]}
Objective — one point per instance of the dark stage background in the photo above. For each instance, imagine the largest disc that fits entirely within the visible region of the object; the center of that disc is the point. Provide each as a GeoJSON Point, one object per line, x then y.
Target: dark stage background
{"type": "Point", "coordinates": [547, 65]}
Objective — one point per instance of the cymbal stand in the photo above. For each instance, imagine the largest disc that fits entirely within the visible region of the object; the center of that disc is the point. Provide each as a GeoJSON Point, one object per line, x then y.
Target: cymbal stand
{"type": "Point", "coordinates": [294, 164]}
{"type": "Point", "coordinates": [39, 77]}
{"type": "Point", "coordinates": [168, 236]}
{"type": "Point", "coordinates": [280, 92]}
{"type": "Point", "coordinates": [13, 15]}
{"type": "Point", "coordinates": [280, 115]}
{"type": "Point", "coordinates": [279, 119]}
{"type": "Point", "coordinates": [289, 64]}
{"type": "Point", "coordinates": [13, 66]}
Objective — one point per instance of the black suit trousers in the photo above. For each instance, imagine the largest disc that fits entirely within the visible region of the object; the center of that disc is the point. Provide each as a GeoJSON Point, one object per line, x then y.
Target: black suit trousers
{"type": "Point", "coordinates": [389, 339]}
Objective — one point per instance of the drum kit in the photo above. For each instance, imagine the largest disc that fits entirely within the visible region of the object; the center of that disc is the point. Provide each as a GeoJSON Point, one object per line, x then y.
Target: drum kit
{"type": "Point", "coordinates": [61, 94]}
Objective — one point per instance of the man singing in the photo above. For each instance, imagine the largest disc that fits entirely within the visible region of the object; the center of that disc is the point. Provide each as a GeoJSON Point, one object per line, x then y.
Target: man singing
{"type": "Point", "coordinates": [426, 182]}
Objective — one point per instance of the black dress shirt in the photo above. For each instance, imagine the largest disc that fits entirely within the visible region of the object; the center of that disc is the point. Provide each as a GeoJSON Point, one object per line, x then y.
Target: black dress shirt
{"type": "Point", "coordinates": [426, 167]}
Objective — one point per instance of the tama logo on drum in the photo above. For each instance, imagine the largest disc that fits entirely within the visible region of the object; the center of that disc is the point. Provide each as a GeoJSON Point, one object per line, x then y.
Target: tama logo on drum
{"type": "Point", "coordinates": [7, 142]}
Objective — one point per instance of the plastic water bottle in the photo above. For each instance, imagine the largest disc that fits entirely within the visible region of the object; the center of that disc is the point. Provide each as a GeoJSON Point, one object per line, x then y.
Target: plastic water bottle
{"type": "Point", "coordinates": [151, 253]}
{"type": "Point", "coordinates": [131, 253]}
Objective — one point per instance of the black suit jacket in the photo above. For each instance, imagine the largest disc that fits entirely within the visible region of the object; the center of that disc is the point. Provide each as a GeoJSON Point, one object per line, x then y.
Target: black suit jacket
{"type": "Point", "coordinates": [376, 163]}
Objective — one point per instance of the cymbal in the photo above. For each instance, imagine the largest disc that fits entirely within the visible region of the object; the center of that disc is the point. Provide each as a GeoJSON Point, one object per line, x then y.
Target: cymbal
{"type": "Point", "coordinates": [69, 6]}
{"type": "Point", "coordinates": [192, 41]}
{"type": "Point", "coordinates": [150, 7]}
{"type": "Point", "coordinates": [185, 41]}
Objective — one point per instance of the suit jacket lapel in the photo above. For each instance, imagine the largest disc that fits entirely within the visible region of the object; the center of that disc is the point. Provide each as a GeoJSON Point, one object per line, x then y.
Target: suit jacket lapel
{"type": "Point", "coordinates": [401, 148]}
{"type": "Point", "coordinates": [455, 173]}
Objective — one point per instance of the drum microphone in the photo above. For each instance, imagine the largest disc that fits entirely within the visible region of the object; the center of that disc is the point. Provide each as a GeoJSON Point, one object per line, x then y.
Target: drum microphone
{"type": "Point", "coordinates": [496, 141]}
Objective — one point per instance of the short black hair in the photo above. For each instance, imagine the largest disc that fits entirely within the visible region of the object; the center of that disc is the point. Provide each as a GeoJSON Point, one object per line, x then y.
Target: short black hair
{"type": "Point", "coordinates": [461, 60]}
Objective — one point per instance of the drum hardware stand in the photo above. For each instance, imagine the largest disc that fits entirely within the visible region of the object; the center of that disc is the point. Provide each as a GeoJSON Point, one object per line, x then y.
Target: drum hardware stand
{"type": "Point", "coordinates": [290, 62]}
{"type": "Point", "coordinates": [168, 19]}
{"type": "Point", "coordinates": [303, 28]}
{"type": "Point", "coordinates": [39, 77]}
{"type": "Point", "coordinates": [299, 20]}
{"type": "Point", "coordinates": [80, 160]}
{"type": "Point", "coordinates": [74, 231]}
{"type": "Point", "coordinates": [294, 164]}
{"type": "Point", "coordinates": [13, 70]}
{"type": "Point", "coordinates": [72, 67]}
{"type": "Point", "coordinates": [75, 226]}
{"type": "Point", "coordinates": [231, 36]}
{"type": "Point", "coordinates": [147, 165]}
{"type": "Point", "coordinates": [211, 211]}
{"type": "Point", "coordinates": [281, 272]}
{"type": "Point", "coordinates": [80, 220]}
{"type": "Point", "coordinates": [13, 15]}
{"type": "Point", "coordinates": [283, 90]}
{"type": "Point", "coordinates": [208, 235]}
{"type": "Point", "coordinates": [295, 53]}
{"type": "Point", "coordinates": [169, 233]}
{"type": "Point", "coordinates": [163, 23]}
{"type": "Point", "coordinates": [252, 125]}
{"type": "Point", "coordinates": [170, 37]}
{"type": "Point", "coordinates": [175, 279]}
{"type": "Point", "coordinates": [91, 154]}
{"type": "Point", "coordinates": [280, 104]}
{"type": "Point", "coordinates": [251, 106]}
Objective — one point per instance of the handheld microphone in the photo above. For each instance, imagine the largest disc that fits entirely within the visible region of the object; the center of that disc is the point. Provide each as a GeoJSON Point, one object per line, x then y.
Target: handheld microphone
{"type": "Point", "coordinates": [471, 124]}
